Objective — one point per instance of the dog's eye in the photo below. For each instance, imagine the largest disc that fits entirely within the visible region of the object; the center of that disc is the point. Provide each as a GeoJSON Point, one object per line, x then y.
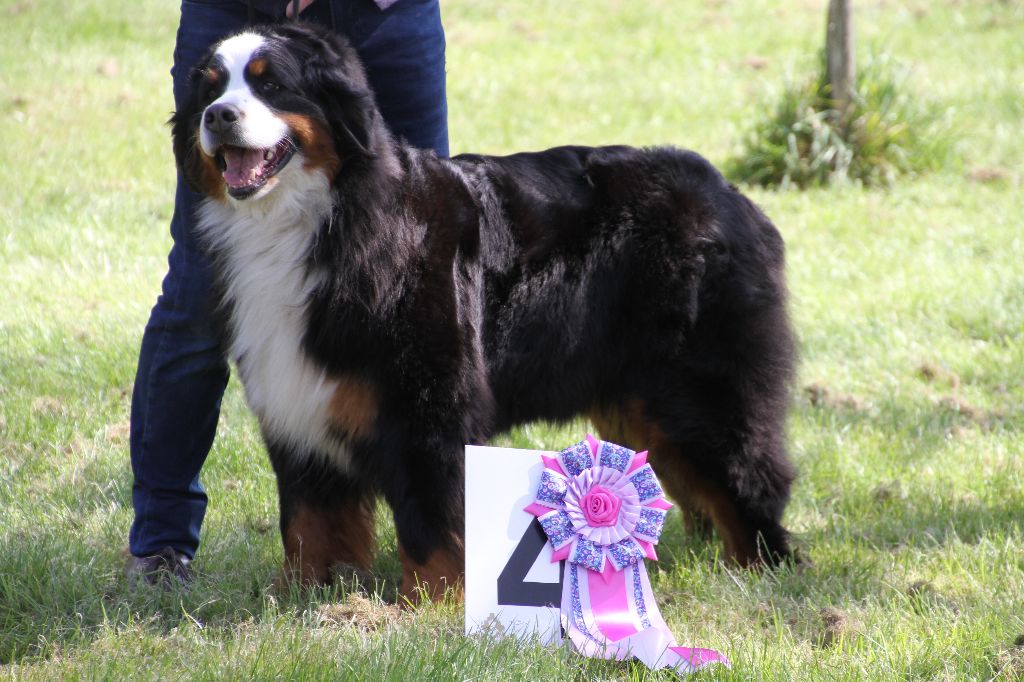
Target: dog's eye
{"type": "Point", "coordinates": [270, 86]}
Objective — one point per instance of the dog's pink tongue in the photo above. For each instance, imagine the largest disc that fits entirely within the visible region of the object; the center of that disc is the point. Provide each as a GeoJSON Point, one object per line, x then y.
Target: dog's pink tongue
{"type": "Point", "coordinates": [242, 166]}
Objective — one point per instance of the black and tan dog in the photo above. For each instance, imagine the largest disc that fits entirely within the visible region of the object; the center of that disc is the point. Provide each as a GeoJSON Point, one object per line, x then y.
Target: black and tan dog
{"type": "Point", "coordinates": [385, 307]}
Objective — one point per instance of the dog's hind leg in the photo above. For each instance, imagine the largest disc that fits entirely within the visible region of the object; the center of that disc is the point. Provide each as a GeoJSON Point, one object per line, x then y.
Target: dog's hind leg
{"type": "Point", "coordinates": [626, 425]}
{"type": "Point", "coordinates": [747, 517]}
{"type": "Point", "coordinates": [722, 478]}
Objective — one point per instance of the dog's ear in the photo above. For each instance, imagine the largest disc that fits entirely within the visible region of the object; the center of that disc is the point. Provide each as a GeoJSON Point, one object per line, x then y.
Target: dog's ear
{"type": "Point", "coordinates": [351, 115]}
{"type": "Point", "coordinates": [193, 166]}
{"type": "Point", "coordinates": [336, 76]}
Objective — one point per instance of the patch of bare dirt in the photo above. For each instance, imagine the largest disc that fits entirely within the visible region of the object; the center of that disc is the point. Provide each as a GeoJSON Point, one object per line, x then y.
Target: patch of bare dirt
{"type": "Point", "coordinates": [962, 407]}
{"type": "Point", "coordinates": [927, 595]}
{"type": "Point", "coordinates": [821, 395]}
{"type": "Point", "coordinates": [117, 433]}
{"type": "Point", "coordinates": [1010, 661]}
{"type": "Point", "coordinates": [891, 490]}
{"type": "Point", "coordinates": [21, 7]}
{"type": "Point", "coordinates": [989, 174]}
{"type": "Point", "coordinates": [986, 419]}
{"type": "Point", "coordinates": [260, 524]}
{"type": "Point", "coordinates": [836, 626]}
{"type": "Point", "coordinates": [359, 612]}
{"type": "Point", "coordinates": [931, 373]}
{"type": "Point", "coordinates": [920, 588]}
{"type": "Point", "coordinates": [109, 67]}
{"type": "Point", "coordinates": [48, 406]}
{"type": "Point", "coordinates": [756, 62]}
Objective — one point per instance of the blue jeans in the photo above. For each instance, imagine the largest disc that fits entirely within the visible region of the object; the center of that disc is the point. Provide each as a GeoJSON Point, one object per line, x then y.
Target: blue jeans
{"type": "Point", "coordinates": [182, 371]}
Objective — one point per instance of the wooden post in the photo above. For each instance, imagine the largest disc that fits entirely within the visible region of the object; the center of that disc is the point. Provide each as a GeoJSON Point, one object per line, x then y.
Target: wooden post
{"type": "Point", "coordinates": [839, 51]}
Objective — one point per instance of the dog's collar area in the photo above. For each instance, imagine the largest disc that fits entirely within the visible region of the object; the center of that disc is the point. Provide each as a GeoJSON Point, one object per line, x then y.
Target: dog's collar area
{"type": "Point", "coordinates": [246, 170]}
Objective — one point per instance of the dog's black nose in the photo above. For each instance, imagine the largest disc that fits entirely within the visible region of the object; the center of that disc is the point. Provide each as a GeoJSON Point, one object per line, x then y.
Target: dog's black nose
{"type": "Point", "coordinates": [220, 117]}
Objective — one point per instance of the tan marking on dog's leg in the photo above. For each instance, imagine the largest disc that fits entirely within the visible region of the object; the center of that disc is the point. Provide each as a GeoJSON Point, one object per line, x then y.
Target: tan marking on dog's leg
{"type": "Point", "coordinates": [702, 503]}
{"type": "Point", "coordinates": [623, 425]}
{"type": "Point", "coordinates": [318, 538]}
{"type": "Point", "coordinates": [354, 406]}
{"type": "Point", "coordinates": [740, 543]}
{"type": "Point", "coordinates": [627, 425]}
{"type": "Point", "coordinates": [443, 570]}
{"type": "Point", "coordinates": [702, 500]}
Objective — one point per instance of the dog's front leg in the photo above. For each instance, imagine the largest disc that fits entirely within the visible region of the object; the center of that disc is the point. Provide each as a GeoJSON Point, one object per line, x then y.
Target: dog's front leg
{"type": "Point", "coordinates": [327, 521]}
{"type": "Point", "coordinates": [427, 500]}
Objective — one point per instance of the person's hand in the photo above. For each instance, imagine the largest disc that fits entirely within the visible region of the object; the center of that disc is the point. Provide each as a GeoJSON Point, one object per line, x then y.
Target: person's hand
{"type": "Point", "coordinates": [303, 4]}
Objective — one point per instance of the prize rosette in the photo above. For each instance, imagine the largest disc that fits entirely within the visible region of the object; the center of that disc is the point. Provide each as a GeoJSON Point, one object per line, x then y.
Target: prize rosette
{"type": "Point", "coordinates": [603, 511]}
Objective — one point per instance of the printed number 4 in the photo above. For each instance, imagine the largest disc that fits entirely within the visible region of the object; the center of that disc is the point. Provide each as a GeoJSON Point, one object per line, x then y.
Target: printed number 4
{"type": "Point", "coordinates": [513, 590]}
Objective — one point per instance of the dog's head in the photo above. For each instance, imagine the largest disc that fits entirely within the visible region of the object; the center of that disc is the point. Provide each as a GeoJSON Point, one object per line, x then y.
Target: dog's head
{"type": "Point", "coordinates": [269, 102]}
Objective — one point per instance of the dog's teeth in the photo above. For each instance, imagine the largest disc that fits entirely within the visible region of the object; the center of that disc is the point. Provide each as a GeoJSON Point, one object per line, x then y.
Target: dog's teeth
{"type": "Point", "coordinates": [268, 155]}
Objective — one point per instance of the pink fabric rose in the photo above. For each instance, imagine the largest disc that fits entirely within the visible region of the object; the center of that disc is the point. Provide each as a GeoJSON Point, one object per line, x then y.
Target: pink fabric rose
{"type": "Point", "coordinates": [601, 506]}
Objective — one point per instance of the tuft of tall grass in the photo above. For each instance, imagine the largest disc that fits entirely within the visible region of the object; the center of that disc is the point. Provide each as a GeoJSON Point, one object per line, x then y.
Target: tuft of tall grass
{"type": "Point", "coordinates": [805, 140]}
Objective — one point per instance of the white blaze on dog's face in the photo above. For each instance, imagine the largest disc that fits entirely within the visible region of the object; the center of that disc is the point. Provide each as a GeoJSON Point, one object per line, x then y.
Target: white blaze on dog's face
{"type": "Point", "coordinates": [250, 142]}
{"type": "Point", "coordinates": [273, 107]}
{"type": "Point", "coordinates": [246, 127]}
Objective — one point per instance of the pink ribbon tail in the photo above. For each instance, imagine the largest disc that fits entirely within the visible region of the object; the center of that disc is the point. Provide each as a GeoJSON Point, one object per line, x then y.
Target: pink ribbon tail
{"type": "Point", "coordinates": [698, 658]}
{"type": "Point", "coordinates": [617, 617]}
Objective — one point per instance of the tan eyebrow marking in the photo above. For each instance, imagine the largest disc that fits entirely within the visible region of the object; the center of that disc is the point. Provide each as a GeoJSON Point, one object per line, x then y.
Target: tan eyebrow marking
{"type": "Point", "coordinates": [257, 67]}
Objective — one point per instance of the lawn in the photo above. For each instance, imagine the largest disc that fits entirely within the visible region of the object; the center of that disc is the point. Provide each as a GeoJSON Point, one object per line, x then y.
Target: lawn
{"type": "Point", "coordinates": [908, 301]}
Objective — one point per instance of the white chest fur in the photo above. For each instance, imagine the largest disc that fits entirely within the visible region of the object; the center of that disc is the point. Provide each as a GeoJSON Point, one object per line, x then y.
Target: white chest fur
{"type": "Point", "coordinates": [264, 247]}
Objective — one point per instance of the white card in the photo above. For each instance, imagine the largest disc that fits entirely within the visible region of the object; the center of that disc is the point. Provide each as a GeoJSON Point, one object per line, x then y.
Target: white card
{"type": "Point", "coordinates": [511, 584]}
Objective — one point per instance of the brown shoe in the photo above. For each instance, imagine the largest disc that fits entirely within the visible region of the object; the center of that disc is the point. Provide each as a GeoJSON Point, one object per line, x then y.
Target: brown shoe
{"type": "Point", "coordinates": [160, 568]}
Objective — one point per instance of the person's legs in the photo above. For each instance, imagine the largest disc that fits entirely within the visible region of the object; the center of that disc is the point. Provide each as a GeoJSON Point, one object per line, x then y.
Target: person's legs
{"type": "Point", "coordinates": [182, 371]}
{"type": "Point", "coordinates": [403, 50]}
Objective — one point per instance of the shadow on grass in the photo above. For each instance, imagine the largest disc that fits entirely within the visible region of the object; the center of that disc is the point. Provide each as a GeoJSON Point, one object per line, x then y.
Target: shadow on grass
{"type": "Point", "coordinates": [914, 427]}
{"type": "Point", "coordinates": [63, 586]}
{"type": "Point", "coordinates": [934, 521]}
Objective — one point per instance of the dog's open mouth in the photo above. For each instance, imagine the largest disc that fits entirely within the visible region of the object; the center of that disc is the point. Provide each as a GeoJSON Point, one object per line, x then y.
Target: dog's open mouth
{"type": "Point", "coordinates": [247, 170]}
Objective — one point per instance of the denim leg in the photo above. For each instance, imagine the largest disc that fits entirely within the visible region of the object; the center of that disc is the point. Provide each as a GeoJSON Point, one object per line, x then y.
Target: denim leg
{"type": "Point", "coordinates": [403, 50]}
{"type": "Point", "coordinates": [182, 371]}
{"type": "Point", "coordinates": [179, 382]}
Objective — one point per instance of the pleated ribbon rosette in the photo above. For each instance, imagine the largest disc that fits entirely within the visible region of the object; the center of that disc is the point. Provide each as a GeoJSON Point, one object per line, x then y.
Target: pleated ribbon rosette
{"type": "Point", "coordinates": [603, 511]}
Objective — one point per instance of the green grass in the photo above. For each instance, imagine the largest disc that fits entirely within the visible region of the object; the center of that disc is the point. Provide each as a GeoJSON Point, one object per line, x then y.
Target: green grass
{"type": "Point", "coordinates": [909, 304]}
